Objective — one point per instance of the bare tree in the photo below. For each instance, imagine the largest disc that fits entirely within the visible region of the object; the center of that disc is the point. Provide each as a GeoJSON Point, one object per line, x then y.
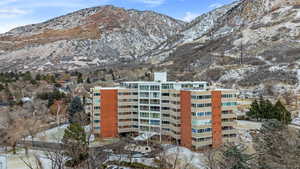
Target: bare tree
{"type": "Point", "coordinates": [211, 159]}
{"type": "Point", "coordinates": [57, 159]}
{"type": "Point", "coordinates": [37, 162]}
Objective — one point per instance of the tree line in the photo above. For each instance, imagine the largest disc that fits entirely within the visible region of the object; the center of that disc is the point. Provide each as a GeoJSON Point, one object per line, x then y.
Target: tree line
{"type": "Point", "coordinates": [264, 109]}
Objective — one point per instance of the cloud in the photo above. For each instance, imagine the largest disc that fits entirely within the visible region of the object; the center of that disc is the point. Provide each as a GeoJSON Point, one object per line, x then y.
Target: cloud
{"type": "Point", "coordinates": [12, 12]}
{"type": "Point", "coordinates": [215, 5]}
{"type": "Point", "coordinates": [189, 16]}
{"type": "Point", "coordinates": [151, 2]}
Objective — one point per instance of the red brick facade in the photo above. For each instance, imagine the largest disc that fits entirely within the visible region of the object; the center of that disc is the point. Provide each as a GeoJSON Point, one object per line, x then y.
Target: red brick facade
{"type": "Point", "coordinates": [109, 113]}
{"type": "Point", "coordinates": [216, 119]}
{"type": "Point", "coordinates": [186, 126]}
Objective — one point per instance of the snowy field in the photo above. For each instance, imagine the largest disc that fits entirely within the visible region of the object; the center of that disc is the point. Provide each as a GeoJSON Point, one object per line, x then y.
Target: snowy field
{"type": "Point", "coordinates": [51, 135]}
{"type": "Point", "coordinates": [54, 135]}
{"type": "Point", "coordinates": [16, 161]}
{"type": "Point", "coordinates": [193, 159]}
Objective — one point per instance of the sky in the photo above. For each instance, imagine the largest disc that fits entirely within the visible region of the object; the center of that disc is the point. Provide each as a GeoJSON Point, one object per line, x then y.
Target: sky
{"type": "Point", "coordinates": [14, 13]}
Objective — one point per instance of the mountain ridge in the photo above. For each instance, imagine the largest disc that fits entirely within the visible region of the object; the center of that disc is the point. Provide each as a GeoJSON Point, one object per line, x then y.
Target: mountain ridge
{"type": "Point", "coordinates": [100, 32]}
{"type": "Point", "coordinates": [249, 43]}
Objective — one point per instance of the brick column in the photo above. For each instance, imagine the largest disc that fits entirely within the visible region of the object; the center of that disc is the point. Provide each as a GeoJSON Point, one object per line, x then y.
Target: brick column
{"type": "Point", "coordinates": [185, 113]}
{"type": "Point", "coordinates": [109, 113]}
{"type": "Point", "coordinates": [216, 119]}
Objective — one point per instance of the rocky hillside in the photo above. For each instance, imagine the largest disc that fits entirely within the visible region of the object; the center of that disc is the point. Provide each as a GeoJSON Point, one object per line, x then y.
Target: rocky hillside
{"type": "Point", "coordinates": [250, 43]}
{"type": "Point", "coordinates": [89, 37]}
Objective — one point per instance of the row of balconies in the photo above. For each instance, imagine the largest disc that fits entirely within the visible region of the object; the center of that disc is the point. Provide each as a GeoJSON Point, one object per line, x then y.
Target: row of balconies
{"type": "Point", "coordinates": [201, 143]}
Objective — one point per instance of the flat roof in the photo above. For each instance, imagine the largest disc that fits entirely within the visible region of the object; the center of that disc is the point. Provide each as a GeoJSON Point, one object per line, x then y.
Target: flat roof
{"type": "Point", "coordinates": [209, 89]}
{"type": "Point", "coordinates": [108, 88]}
{"type": "Point", "coordinates": [180, 82]}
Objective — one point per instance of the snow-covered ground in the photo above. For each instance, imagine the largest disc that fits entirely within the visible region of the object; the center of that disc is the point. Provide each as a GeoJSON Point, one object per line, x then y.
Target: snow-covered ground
{"type": "Point", "coordinates": [51, 135]}
{"type": "Point", "coordinates": [16, 161]}
{"type": "Point", "coordinates": [135, 158]}
{"type": "Point", "coordinates": [187, 158]}
{"type": "Point", "coordinates": [194, 160]}
{"type": "Point", "coordinates": [54, 135]}
{"type": "Point", "coordinates": [296, 121]}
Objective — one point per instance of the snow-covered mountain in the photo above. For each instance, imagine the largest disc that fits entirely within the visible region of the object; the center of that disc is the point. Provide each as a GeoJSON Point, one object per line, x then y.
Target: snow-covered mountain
{"type": "Point", "coordinates": [89, 37]}
{"type": "Point", "coordinates": [250, 43]}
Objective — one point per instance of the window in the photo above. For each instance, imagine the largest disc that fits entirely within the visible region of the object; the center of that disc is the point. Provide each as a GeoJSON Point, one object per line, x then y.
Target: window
{"type": "Point", "coordinates": [227, 128]}
{"type": "Point", "coordinates": [155, 88]}
{"type": "Point", "coordinates": [144, 128]}
{"type": "Point", "coordinates": [155, 115]}
{"type": "Point", "coordinates": [154, 122]}
{"type": "Point", "coordinates": [155, 95]}
{"type": "Point", "coordinates": [228, 95]}
{"type": "Point", "coordinates": [144, 101]}
{"type": "Point", "coordinates": [165, 108]}
{"type": "Point", "coordinates": [165, 94]}
{"type": "Point", "coordinates": [202, 105]}
{"type": "Point", "coordinates": [144, 87]}
{"type": "Point", "coordinates": [229, 104]}
{"type": "Point", "coordinates": [96, 121]}
{"type": "Point", "coordinates": [144, 108]}
{"type": "Point", "coordinates": [202, 139]}
{"type": "Point", "coordinates": [201, 122]}
{"type": "Point", "coordinates": [154, 108]}
{"type": "Point", "coordinates": [154, 101]}
{"type": "Point", "coordinates": [96, 114]}
{"type": "Point", "coordinates": [144, 114]}
{"type": "Point", "coordinates": [227, 112]}
{"type": "Point", "coordinates": [155, 129]}
{"type": "Point", "coordinates": [202, 130]}
{"type": "Point", "coordinates": [144, 121]}
{"type": "Point", "coordinates": [167, 86]}
{"type": "Point", "coordinates": [166, 129]}
{"type": "Point", "coordinates": [200, 114]}
{"type": "Point", "coordinates": [144, 94]}
{"type": "Point", "coordinates": [96, 100]}
{"type": "Point", "coordinates": [96, 94]}
{"type": "Point", "coordinates": [201, 97]}
{"type": "Point", "coordinates": [165, 122]}
{"type": "Point", "coordinates": [165, 101]}
{"type": "Point", "coordinates": [96, 107]}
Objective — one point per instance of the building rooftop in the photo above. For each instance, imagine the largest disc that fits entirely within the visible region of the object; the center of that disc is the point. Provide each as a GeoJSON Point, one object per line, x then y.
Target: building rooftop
{"type": "Point", "coordinates": [174, 82]}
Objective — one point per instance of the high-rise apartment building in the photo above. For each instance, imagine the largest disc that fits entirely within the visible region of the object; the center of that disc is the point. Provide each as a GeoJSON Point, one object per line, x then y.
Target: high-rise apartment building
{"type": "Point", "coordinates": [190, 113]}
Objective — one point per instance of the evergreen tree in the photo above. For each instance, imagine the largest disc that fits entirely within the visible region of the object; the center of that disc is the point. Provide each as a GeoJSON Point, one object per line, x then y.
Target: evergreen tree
{"type": "Point", "coordinates": [79, 78]}
{"type": "Point", "coordinates": [75, 108]}
{"type": "Point", "coordinates": [2, 87]}
{"type": "Point", "coordinates": [267, 110]}
{"type": "Point", "coordinates": [254, 111]}
{"type": "Point", "coordinates": [50, 100]}
{"type": "Point", "coordinates": [27, 76]}
{"type": "Point", "coordinates": [52, 79]}
{"type": "Point", "coordinates": [282, 114]}
{"type": "Point", "coordinates": [34, 82]}
{"type": "Point", "coordinates": [38, 77]}
{"type": "Point", "coordinates": [88, 80]}
{"type": "Point", "coordinates": [264, 109]}
{"type": "Point", "coordinates": [76, 142]}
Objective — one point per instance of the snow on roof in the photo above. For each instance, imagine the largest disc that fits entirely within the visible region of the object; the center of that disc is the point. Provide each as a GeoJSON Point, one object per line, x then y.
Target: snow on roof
{"type": "Point", "coordinates": [145, 136]}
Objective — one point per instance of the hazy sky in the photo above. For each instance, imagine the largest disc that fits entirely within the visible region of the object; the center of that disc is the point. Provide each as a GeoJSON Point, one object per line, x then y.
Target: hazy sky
{"type": "Point", "coordinates": [15, 13]}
